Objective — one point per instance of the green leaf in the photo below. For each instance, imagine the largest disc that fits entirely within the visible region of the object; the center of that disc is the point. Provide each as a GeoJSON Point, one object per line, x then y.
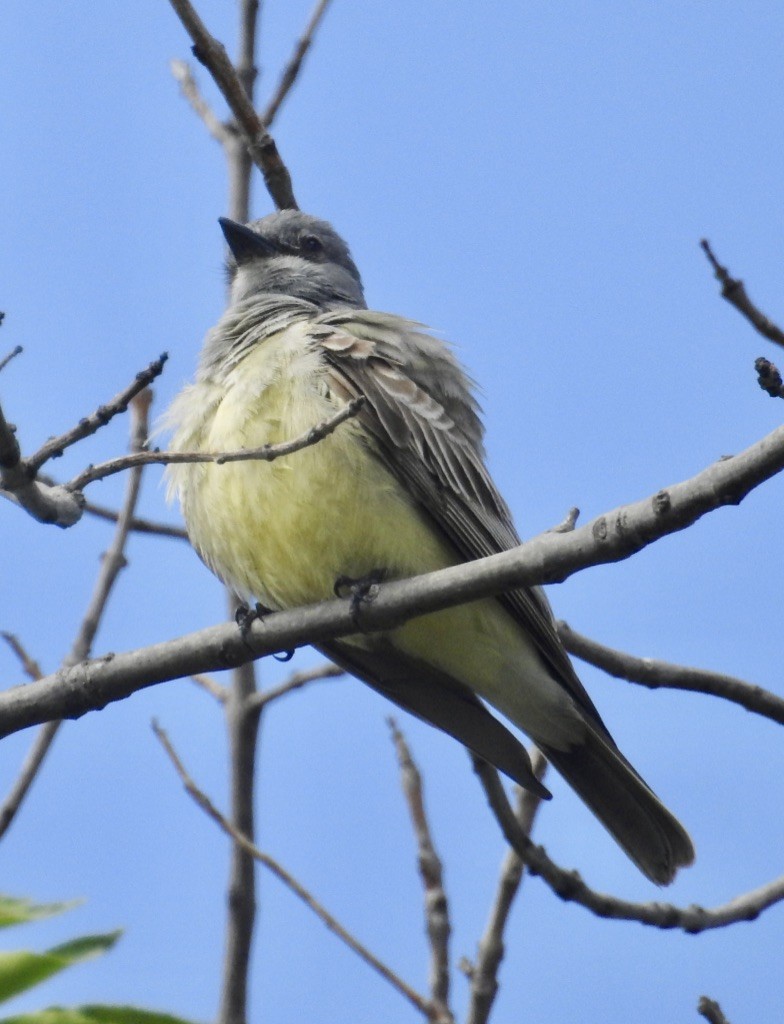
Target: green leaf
{"type": "Point", "coordinates": [16, 911]}
{"type": "Point", "coordinates": [21, 970]}
{"type": "Point", "coordinates": [95, 1015]}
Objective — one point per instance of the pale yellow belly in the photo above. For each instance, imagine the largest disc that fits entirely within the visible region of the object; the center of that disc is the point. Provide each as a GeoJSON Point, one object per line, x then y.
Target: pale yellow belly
{"type": "Point", "coordinates": [284, 532]}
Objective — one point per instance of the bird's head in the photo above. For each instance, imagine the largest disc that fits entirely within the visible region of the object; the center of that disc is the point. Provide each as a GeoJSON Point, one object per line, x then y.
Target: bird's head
{"type": "Point", "coordinates": [291, 253]}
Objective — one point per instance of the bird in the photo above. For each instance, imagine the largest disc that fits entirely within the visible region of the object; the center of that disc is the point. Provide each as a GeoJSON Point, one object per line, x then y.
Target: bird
{"type": "Point", "coordinates": [399, 489]}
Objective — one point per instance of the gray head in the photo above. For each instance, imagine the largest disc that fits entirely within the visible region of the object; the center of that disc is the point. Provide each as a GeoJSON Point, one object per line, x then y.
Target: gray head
{"type": "Point", "coordinates": [292, 253]}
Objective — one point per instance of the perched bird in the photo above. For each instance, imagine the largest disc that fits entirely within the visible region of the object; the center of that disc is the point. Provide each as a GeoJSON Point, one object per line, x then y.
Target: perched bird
{"type": "Point", "coordinates": [398, 490]}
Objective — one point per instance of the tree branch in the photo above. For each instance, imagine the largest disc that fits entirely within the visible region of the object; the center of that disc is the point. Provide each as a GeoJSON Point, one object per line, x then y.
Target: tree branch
{"type": "Point", "coordinates": [295, 681]}
{"type": "Point", "coordinates": [548, 558]}
{"type": "Point", "coordinates": [112, 563]}
{"type": "Point", "coordinates": [570, 887]}
{"type": "Point", "coordinates": [265, 453]}
{"type": "Point", "coordinates": [768, 377]}
{"type": "Point", "coordinates": [261, 146]}
{"type": "Point", "coordinates": [431, 873]}
{"type": "Point", "coordinates": [55, 505]}
{"type": "Point", "coordinates": [55, 446]}
{"type": "Point", "coordinates": [734, 292]}
{"type": "Point", "coordinates": [17, 351]}
{"type": "Point", "coordinates": [292, 69]}
{"type": "Point", "coordinates": [289, 881]}
{"type": "Point", "coordinates": [663, 674]}
{"type": "Point", "coordinates": [711, 1011]}
{"type": "Point", "coordinates": [484, 973]}
{"type": "Point", "coordinates": [190, 90]}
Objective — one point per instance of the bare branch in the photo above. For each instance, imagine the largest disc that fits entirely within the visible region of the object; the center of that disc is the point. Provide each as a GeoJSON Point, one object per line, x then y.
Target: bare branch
{"type": "Point", "coordinates": [288, 880]}
{"type": "Point", "coordinates": [261, 146]}
{"type": "Point", "coordinates": [568, 523]}
{"type": "Point", "coordinates": [663, 674]}
{"type": "Point", "coordinates": [55, 446]}
{"type": "Point", "coordinates": [768, 377]}
{"type": "Point", "coordinates": [112, 563]}
{"type": "Point", "coordinates": [711, 1011]}
{"type": "Point", "coordinates": [190, 90]}
{"type": "Point", "coordinates": [242, 726]}
{"type": "Point", "coordinates": [17, 351]}
{"type": "Point", "coordinates": [292, 69]}
{"type": "Point", "coordinates": [213, 688]}
{"type": "Point", "coordinates": [431, 872]}
{"type": "Point", "coordinates": [38, 750]}
{"type": "Point", "coordinates": [112, 515]}
{"type": "Point", "coordinates": [548, 558]}
{"type": "Point", "coordinates": [137, 525]}
{"type": "Point", "coordinates": [570, 887]}
{"type": "Point", "coordinates": [734, 292]}
{"type": "Point", "coordinates": [294, 682]}
{"type": "Point", "coordinates": [266, 453]}
{"type": "Point", "coordinates": [29, 665]}
{"type": "Point", "coordinates": [484, 973]}
{"type": "Point", "coordinates": [54, 505]}
{"type": "Point", "coordinates": [27, 774]}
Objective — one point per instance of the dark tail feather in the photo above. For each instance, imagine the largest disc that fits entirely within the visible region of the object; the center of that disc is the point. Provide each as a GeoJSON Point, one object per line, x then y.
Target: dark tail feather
{"type": "Point", "coordinates": [631, 812]}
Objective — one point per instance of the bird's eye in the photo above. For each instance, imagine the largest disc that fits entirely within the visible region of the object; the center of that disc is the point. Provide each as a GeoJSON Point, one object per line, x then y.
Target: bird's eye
{"type": "Point", "coordinates": [311, 244]}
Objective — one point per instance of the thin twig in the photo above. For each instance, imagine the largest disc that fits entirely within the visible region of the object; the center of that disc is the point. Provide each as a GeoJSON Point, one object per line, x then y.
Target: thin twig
{"type": "Point", "coordinates": [734, 292]}
{"type": "Point", "coordinates": [432, 875]}
{"type": "Point", "coordinates": [288, 880]}
{"type": "Point", "coordinates": [190, 90]}
{"type": "Point", "coordinates": [112, 563]}
{"type": "Point", "coordinates": [292, 69]}
{"type": "Point", "coordinates": [261, 146]}
{"type": "Point", "coordinates": [112, 515]}
{"type": "Point", "coordinates": [570, 887]}
{"type": "Point", "coordinates": [29, 665]}
{"type": "Point", "coordinates": [294, 682]}
{"type": "Point", "coordinates": [11, 355]}
{"type": "Point", "coordinates": [237, 154]}
{"type": "Point", "coordinates": [265, 453]}
{"type": "Point", "coordinates": [210, 686]}
{"type": "Point", "coordinates": [711, 1011]}
{"type": "Point", "coordinates": [484, 972]}
{"type": "Point", "coordinates": [663, 674]}
{"type": "Point", "coordinates": [137, 525]}
{"type": "Point", "coordinates": [55, 446]}
{"type": "Point", "coordinates": [768, 377]}
{"type": "Point", "coordinates": [37, 751]}
{"type": "Point", "coordinates": [568, 523]}
{"type": "Point", "coordinates": [53, 505]}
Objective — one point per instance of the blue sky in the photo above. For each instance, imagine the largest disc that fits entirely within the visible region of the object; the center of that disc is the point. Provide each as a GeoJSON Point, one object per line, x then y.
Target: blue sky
{"type": "Point", "coordinates": [532, 181]}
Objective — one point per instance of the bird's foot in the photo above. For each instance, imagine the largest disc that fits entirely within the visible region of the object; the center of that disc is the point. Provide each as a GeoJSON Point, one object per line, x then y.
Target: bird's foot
{"type": "Point", "coordinates": [245, 616]}
{"type": "Point", "coordinates": [360, 590]}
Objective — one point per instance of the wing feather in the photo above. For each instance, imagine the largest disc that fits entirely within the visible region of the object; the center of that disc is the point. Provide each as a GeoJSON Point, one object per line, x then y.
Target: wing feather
{"type": "Point", "coordinates": [424, 421]}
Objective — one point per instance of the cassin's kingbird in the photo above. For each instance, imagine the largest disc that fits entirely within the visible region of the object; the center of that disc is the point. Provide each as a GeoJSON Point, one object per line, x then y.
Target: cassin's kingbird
{"type": "Point", "coordinates": [400, 489]}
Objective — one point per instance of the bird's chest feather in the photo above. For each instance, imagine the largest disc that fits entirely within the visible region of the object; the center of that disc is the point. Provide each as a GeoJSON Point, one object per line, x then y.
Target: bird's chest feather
{"type": "Point", "coordinates": [284, 531]}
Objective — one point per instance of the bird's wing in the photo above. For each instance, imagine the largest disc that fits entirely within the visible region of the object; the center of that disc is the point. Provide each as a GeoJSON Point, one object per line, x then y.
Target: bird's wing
{"type": "Point", "coordinates": [424, 421]}
{"type": "Point", "coordinates": [440, 700]}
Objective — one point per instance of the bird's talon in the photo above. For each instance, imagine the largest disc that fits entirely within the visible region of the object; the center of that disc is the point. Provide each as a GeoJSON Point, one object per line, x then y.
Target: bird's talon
{"type": "Point", "coordinates": [361, 589]}
{"type": "Point", "coordinates": [245, 616]}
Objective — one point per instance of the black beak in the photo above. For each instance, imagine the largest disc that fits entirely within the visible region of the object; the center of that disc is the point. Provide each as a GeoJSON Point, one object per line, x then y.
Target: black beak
{"type": "Point", "coordinates": [244, 243]}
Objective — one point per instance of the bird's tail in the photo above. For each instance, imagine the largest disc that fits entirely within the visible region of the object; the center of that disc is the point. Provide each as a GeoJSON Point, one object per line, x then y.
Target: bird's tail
{"type": "Point", "coordinates": [627, 807]}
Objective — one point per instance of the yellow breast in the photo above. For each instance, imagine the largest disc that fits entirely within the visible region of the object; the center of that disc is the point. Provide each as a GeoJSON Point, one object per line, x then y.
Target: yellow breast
{"type": "Point", "coordinates": [284, 531]}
